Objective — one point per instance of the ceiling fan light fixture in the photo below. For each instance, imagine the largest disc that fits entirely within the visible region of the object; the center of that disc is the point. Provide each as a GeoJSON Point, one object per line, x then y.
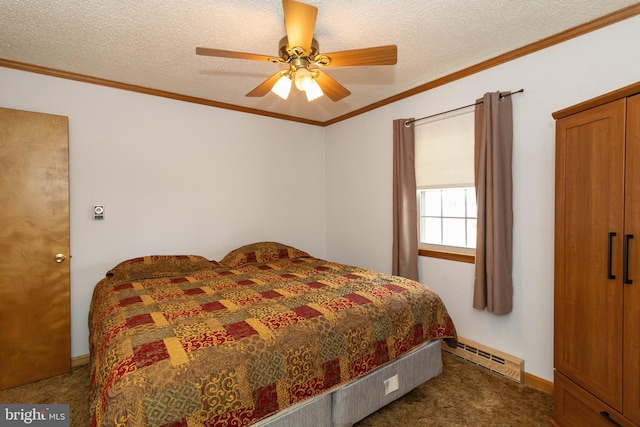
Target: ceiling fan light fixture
{"type": "Point", "coordinates": [282, 87]}
{"type": "Point", "coordinates": [314, 91]}
{"type": "Point", "coordinates": [299, 50]}
{"type": "Point", "coordinates": [303, 79]}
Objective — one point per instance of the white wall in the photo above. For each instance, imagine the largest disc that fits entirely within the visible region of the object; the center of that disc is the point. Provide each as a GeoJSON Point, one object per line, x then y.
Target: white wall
{"type": "Point", "coordinates": [359, 154]}
{"type": "Point", "coordinates": [175, 178]}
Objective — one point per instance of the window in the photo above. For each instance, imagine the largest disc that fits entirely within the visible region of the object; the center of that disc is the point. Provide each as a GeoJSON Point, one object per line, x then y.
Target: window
{"type": "Point", "coordinates": [448, 216]}
{"type": "Point", "coordinates": [444, 177]}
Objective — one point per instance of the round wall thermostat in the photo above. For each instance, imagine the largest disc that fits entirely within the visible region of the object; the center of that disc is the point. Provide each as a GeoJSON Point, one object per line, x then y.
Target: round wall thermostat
{"type": "Point", "coordinates": [98, 212]}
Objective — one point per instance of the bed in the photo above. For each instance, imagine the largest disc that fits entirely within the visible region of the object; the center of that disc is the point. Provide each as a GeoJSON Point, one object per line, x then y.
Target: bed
{"type": "Point", "coordinates": [269, 335]}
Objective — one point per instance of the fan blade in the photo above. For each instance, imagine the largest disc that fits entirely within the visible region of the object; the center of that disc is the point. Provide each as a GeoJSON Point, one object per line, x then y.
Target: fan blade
{"type": "Point", "coordinates": [205, 51]}
{"type": "Point", "coordinates": [300, 21]}
{"type": "Point", "coordinates": [334, 90]}
{"type": "Point", "coordinates": [263, 88]}
{"type": "Point", "coordinates": [380, 55]}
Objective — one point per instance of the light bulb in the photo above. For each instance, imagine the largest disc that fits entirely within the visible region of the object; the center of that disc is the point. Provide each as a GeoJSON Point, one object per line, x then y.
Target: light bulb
{"type": "Point", "coordinates": [282, 87]}
{"type": "Point", "coordinates": [303, 79]}
{"type": "Point", "coordinates": [314, 91]}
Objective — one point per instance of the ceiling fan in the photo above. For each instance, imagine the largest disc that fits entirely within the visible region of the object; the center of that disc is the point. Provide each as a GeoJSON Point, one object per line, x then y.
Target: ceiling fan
{"type": "Point", "coordinates": [300, 51]}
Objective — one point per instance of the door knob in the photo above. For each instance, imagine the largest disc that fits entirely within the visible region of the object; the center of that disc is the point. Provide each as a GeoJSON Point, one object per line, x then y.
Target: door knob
{"type": "Point", "coordinates": [59, 258]}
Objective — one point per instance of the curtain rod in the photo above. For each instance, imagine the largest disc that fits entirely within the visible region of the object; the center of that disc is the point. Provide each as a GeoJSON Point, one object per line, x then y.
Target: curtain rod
{"type": "Point", "coordinates": [408, 122]}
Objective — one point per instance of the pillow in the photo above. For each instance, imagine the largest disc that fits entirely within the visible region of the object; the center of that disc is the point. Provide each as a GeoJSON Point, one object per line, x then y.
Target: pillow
{"type": "Point", "coordinates": [260, 252]}
{"type": "Point", "coordinates": [154, 266]}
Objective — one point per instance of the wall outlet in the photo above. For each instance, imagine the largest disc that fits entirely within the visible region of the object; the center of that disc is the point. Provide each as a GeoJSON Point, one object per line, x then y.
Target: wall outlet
{"type": "Point", "coordinates": [391, 385]}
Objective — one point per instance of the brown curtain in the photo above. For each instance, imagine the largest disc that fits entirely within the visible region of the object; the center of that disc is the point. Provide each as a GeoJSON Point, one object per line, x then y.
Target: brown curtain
{"type": "Point", "coordinates": [493, 287]}
{"type": "Point", "coordinates": [405, 215]}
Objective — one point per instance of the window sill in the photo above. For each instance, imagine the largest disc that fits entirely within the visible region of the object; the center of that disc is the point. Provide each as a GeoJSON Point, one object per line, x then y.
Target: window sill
{"type": "Point", "coordinates": [452, 256]}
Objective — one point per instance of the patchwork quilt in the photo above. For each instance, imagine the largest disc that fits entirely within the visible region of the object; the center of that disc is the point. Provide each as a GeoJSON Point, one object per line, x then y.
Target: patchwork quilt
{"type": "Point", "coordinates": [184, 341]}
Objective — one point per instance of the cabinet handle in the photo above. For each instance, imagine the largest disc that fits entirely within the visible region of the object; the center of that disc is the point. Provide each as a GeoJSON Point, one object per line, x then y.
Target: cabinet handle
{"type": "Point", "coordinates": [606, 415]}
{"type": "Point", "coordinates": [611, 236]}
{"type": "Point", "coordinates": [625, 268]}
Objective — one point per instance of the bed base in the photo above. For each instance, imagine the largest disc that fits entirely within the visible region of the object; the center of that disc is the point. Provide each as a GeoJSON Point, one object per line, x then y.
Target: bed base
{"type": "Point", "coordinates": [360, 398]}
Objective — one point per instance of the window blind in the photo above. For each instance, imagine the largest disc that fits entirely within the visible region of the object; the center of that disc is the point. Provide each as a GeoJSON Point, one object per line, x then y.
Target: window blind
{"type": "Point", "coordinates": [444, 151]}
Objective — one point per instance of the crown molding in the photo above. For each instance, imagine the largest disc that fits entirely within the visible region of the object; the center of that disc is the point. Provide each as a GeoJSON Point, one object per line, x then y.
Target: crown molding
{"type": "Point", "coordinates": [148, 91]}
{"type": "Point", "coordinates": [569, 34]}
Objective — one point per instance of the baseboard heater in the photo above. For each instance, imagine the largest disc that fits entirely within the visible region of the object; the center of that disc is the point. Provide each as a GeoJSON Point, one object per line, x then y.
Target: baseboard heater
{"type": "Point", "coordinates": [501, 363]}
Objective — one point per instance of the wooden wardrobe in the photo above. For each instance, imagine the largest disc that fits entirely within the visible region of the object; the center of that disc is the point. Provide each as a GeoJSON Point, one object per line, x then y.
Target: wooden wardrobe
{"type": "Point", "coordinates": [597, 262]}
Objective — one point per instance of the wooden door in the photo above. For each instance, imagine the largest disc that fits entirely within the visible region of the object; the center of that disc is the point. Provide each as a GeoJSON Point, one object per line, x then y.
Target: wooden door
{"type": "Point", "coordinates": [631, 379]}
{"type": "Point", "coordinates": [34, 227]}
{"type": "Point", "coordinates": [589, 206]}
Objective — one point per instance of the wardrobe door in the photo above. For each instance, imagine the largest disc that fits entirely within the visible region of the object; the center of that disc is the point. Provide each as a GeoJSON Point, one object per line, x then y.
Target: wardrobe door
{"type": "Point", "coordinates": [632, 290]}
{"type": "Point", "coordinates": [589, 221]}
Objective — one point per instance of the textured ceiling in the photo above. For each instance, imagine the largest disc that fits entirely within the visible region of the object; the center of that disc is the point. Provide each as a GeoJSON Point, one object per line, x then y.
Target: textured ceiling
{"type": "Point", "coordinates": [151, 43]}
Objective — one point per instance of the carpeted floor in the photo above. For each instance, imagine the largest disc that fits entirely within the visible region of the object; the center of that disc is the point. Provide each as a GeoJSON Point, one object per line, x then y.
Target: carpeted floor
{"type": "Point", "coordinates": [464, 395]}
